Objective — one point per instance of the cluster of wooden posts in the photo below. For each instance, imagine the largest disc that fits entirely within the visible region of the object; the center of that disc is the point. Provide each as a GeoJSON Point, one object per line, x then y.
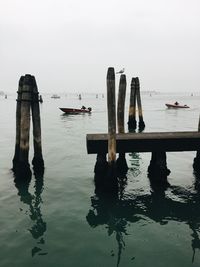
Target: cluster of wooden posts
{"type": "Point", "coordinates": [158, 143]}
{"type": "Point", "coordinates": [135, 98]}
{"type": "Point", "coordinates": [27, 101]}
{"type": "Point", "coordinates": [102, 144]}
{"type": "Point", "coordinates": [132, 123]}
{"type": "Point", "coordinates": [119, 165]}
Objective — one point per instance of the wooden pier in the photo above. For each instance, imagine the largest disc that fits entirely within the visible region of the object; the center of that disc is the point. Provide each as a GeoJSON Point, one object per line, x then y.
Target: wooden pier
{"type": "Point", "coordinates": [145, 142]}
{"type": "Point", "coordinates": [112, 168]}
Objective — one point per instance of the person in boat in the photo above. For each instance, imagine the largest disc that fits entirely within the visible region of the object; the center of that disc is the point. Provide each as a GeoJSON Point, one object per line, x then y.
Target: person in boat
{"type": "Point", "coordinates": [83, 107]}
{"type": "Point", "coordinates": [176, 103]}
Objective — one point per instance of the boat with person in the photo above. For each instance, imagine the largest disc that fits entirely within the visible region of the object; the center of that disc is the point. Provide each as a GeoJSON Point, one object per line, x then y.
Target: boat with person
{"type": "Point", "coordinates": [83, 109]}
{"type": "Point", "coordinates": [176, 105]}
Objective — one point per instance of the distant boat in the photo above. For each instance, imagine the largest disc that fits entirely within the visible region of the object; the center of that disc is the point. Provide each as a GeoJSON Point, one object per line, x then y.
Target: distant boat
{"type": "Point", "coordinates": [55, 96]}
{"type": "Point", "coordinates": [76, 110]}
{"type": "Point", "coordinates": [176, 105]}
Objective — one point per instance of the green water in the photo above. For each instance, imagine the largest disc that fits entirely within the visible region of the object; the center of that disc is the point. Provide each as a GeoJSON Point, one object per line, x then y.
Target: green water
{"type": "Point", "coordinates": [58, 220]}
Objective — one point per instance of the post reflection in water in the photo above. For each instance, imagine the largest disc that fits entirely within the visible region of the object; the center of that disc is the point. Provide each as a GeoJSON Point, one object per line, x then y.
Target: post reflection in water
{"type": "Point", "coordinates": [162, 205]}
{"type": "Point", "coordinates": [135, 163]}
{"type": "Point", "coordinates": [34, 202]}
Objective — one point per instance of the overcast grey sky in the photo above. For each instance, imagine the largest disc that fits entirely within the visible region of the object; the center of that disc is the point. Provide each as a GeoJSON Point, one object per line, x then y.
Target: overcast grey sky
{"type": "Point", "coordinates": [69, 44]}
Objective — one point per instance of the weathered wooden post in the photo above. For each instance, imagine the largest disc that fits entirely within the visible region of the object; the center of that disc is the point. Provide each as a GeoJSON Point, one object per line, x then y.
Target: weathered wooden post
{"type": "Point", "coordinates": [18, 120]}
{"type": "Point", "coordinates": [121, 161]}
{"type": "Point", "coordinates": [111, 106]}
{"type": "Point", "coordinates": [27, 99]}
{"type": "Point", "coordinates": [101, 165]}
{"type": "Point", "coordinates": [105, 172]}
{"type": "Point", "coordinates": [121, 103]}
{"type": "Point", "coordinates": [139, 103]}
{"type": "Point", "coordinates": [38, 162]}
{"type": "Point", "coordinates": [196, 163]}
{"type": "Point", "coordinates": [23, 167]}
{"type": "Point", "coordinates": [132, 107]}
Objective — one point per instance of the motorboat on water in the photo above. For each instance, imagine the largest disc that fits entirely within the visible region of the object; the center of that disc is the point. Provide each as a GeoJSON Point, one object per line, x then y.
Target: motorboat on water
{"type": "Point", "coordinates": [76, 110]}
{"type": "Point", "coordinates": [176, 105]}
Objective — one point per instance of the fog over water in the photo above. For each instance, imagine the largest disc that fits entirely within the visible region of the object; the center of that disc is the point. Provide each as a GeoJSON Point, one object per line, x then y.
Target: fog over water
{"type": "Point", "coordinates": [69, 44]}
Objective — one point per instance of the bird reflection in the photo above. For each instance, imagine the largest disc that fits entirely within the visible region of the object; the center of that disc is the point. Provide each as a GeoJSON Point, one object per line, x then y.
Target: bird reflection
{"type": "Point", "coordinates": [34, 202]}
{"type": "Point", "coordinates": [162, 205]}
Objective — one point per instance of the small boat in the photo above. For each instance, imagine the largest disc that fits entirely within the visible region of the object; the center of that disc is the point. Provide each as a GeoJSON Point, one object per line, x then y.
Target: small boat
{"type": "Point", "coordinates": [55, 96]}
{"type": "Point", "coordinates": [76, 110]}
{"type": "Point", "coordinates": [176, 105]}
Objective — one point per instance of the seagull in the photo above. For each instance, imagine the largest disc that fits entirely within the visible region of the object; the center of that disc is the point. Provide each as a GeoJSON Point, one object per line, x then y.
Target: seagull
{"type": "Point", "coordinates": [121, 71]}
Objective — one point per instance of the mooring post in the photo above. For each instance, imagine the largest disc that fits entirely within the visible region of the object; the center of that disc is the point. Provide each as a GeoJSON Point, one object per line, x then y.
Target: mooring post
{"type": "Point", "coordinates": [102, 165]}
{"type": "Point", "coordinates": [121, 161]}
{"type": "Point", "coordinates": [132, 107]}
{"type": "Point", "coordinates": [139, 103]}
{"type": "Point", "coordinates": [23, 168]}
{"type": "Point", "coordinates": [111, 116]}
{"type": "Point", "coordinates": [18, 121]}
{"type": "Point", "coordinates": [105, 172]}
{"type": "Point", "coordinates": [196, 163]}
{"type": "Point", "coordinates": [121, 103]}
{"type": "Point", "coordinates": [38, 162]}
{"type": "Point", "coordinates": [157, 170]}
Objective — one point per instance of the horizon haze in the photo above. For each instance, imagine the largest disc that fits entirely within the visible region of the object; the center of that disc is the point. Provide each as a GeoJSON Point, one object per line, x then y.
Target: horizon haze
{"type": "Point", "coordinates": [68, 45]}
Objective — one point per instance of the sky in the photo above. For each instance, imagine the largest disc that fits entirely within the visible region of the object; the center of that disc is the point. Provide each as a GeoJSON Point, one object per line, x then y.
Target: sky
{"type": "Point", "coordinates": [68, 45]}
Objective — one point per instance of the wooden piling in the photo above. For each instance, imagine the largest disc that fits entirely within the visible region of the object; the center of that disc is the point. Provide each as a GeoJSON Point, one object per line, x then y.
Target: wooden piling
{"type": "Point", "coordinates": [121, 161]}
{"type": "Point", "coordinates": [18, 120]}
{"type": "Point", "coordinates": [38, 162]}
{"type": "Point", "coordinates": [23, 168]}
{"type": "Point", "coordinates": [111, 116]}
{"type": "Point", "coordinates": [121, 103]}
{"type": "Point", "coordinates": [196, 163]}
{"type": "Point", "coordinates": [132, 107]}
{"type": "Point", "coordinates": [105, 172]}
{"type": "Point", "coordinates": [139, 103]}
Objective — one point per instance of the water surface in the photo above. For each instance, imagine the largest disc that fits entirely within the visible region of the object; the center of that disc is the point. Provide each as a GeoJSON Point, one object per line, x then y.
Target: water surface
{"type": "Point", "coordinates": [58, 220]}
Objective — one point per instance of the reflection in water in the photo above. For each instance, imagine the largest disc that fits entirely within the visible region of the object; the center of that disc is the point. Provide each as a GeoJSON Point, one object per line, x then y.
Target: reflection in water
{"type": "Point", "coordinates": [34, 202]}
{"type": "Point", "coordinates": [174, 203]}
{"type": "Point", "coordinates": [135, 163]}
{"type": "Point", "coordinates": [66, 116]}
{"type": "Point", "coordinates": [105, 211]}
{"type": "Point", "coordinates": [105, 208]}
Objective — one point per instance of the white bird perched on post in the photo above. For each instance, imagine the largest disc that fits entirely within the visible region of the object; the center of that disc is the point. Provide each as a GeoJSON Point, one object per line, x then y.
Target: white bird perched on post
{"type": "Point", "coordinates": [121, 71]}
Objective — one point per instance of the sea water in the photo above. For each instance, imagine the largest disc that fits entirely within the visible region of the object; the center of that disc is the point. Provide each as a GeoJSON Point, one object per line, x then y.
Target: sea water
{"type": "Point", "coordinates": [59, 221]}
